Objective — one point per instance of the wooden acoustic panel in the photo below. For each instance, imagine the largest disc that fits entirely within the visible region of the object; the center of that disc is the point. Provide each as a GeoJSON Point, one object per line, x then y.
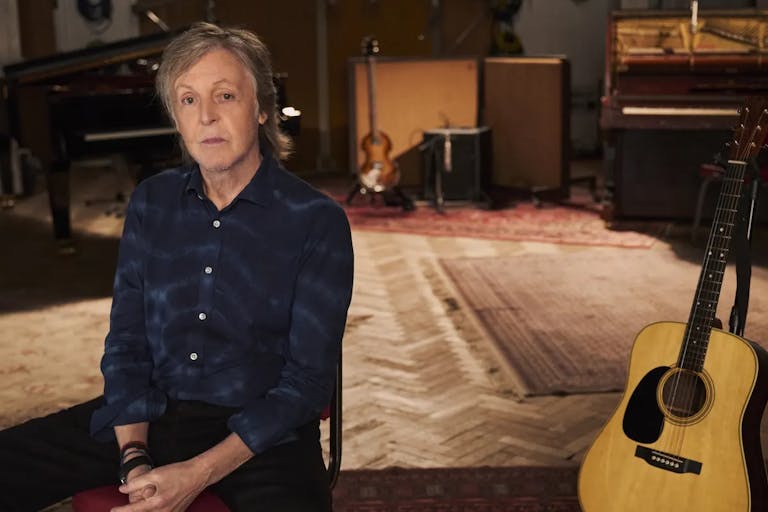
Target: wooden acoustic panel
{"type": "Point", "coordinates": [526, 105]}
{"type": "Point", "coordinates": [412, 95]}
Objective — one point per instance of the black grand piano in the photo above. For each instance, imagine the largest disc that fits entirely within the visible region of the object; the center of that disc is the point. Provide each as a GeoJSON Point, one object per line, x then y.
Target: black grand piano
{"type": "Point", "coordinates": [102, 100]}
{"type": "Point", "coordinates": [98, 100]}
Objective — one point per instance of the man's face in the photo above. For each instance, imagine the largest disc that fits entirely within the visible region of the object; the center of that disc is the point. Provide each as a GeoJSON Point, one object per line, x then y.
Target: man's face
{"type": "Point", "coordinates": [215, 109]}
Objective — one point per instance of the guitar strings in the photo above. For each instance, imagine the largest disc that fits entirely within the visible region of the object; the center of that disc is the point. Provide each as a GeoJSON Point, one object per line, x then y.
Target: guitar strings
{"type": "Point", "coordinates": [733, 183]}
{"type": "Point", "coordinates": [682, 397]}
{"type": "Point", "coordinates": [730, 191]}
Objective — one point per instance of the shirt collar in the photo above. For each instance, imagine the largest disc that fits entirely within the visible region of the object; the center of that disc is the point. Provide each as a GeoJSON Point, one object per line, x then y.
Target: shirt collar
{"type": "Point", "coordinates": [259, 190]}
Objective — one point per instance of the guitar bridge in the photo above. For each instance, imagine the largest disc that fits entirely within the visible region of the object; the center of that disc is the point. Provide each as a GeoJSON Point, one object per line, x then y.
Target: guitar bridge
{"type": "Point", "coordinates": [667, 461]}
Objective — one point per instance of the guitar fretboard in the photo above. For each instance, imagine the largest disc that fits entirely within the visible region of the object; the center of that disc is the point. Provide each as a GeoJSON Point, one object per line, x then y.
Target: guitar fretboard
{"type": "Point", "coordinates": [704, 307]}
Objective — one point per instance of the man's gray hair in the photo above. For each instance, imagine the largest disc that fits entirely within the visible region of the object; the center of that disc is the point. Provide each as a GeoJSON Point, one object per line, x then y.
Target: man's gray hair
{"type": "Point", "coordinates": [184, 51]}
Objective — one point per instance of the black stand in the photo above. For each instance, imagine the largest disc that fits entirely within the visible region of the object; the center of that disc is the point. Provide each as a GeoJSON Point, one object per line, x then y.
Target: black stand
{"type": "Point", "coordinates": [392, 197]}
{"type": "Point", "coordinates": [541, 195]}
{"type": "Point", "coordinates": [742, 244]}
{"type": "Point", "coordinates": [433, 169]}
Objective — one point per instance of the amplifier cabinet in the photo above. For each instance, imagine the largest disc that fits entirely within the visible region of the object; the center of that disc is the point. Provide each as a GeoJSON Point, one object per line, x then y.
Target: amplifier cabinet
{"type": "Point", "coordinates": [526, 104]}
{"type": "Point", "coordinates": [462, 157]}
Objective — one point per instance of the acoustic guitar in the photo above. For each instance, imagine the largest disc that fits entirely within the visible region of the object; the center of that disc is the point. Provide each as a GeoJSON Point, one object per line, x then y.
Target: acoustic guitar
{"type": "Point", "coordinates": [686, 434]}
{"type": "Point", "coordinates": [378, 173]}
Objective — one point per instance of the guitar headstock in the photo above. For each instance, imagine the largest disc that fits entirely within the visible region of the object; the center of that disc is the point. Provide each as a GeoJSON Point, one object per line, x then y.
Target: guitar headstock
{"type": "Point", "coordinates": [370, 46]}
{"type": "Point", "coordinates": [751, 130]}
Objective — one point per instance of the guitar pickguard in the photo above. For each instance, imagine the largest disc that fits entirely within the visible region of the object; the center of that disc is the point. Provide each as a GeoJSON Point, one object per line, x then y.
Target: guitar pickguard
{"type": "Point", "coordinates": [643, 420]}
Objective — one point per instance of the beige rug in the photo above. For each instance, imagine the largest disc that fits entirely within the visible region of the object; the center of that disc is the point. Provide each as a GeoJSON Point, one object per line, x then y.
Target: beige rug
{"type": "Point", "coordinates": [565, 323]}
{"type": "Point", "coordinates": [64, 344]}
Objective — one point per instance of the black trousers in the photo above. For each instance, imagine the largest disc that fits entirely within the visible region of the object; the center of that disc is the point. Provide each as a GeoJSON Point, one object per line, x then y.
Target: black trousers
{"type": "Point", "coordinates": [48, 459]}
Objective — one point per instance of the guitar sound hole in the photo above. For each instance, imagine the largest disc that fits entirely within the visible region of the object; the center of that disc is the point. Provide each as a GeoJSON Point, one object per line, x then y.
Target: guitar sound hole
{"type": "Point", "coordinates": [684, 394]}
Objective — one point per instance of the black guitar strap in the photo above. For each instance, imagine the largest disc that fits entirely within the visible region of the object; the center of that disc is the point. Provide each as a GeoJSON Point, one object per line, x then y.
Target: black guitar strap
{"type": "Point", "coordinates": [742, 242]}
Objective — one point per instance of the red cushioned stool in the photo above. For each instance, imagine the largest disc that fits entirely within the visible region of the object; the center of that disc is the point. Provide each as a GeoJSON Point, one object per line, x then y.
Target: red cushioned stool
{"type": "Point", "coordinates": [102, 499]}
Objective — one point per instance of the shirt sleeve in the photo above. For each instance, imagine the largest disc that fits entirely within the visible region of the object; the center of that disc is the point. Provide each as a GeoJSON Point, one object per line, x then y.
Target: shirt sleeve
{"type": "Point", "coordinates": [127, 363]}
{"type": "Point", "coordinates": [322, 294]}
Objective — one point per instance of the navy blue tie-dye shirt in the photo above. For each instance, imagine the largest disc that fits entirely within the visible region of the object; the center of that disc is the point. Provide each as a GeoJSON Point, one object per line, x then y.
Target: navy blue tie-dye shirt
{"type": "Point", "coordinates": [243, 307]}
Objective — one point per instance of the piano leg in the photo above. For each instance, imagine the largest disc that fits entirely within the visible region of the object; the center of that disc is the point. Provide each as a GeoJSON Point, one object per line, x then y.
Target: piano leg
{"type": "Point", "coordinates": [58, 197]}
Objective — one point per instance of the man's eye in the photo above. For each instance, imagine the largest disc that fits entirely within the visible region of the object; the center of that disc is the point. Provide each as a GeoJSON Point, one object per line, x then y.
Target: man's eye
{"type": "Point", "coordinates": [228, 96]}
{"type": "Point", "coordinates": [187, 100]}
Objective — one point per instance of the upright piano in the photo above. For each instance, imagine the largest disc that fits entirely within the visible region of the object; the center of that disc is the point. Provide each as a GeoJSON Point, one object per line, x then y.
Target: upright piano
{"type": "Point", "coordinates": [102, 100]}
{"type": "Point", "coordinates": [673, 84]}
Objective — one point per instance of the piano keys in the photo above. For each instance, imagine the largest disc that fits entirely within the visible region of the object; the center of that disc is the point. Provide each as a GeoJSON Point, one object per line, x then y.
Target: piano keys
{"type": "Point", "coordinates": [102, 100]}
{"type": "Point", "coordinates": [90, 94]}
{"type": "Point", "coordinates": [672, 90]}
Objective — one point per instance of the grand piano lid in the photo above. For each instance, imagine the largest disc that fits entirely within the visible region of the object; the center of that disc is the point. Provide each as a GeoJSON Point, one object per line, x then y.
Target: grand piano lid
{"type": "Point", "coordinates": [76, 61]}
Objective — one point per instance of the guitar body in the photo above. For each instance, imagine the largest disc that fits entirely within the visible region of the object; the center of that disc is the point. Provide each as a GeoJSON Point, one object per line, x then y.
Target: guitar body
{"type": "Point", "coordinates": [627, 468]}
{"type": "Point", "coordinates": [378, 171]}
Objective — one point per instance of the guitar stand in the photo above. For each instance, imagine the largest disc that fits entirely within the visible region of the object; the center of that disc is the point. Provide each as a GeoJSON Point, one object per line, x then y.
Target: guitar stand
{"type": "Point", "coordinates": [741, 249]}
{"type": "Point", "coordinates": [392, 197]}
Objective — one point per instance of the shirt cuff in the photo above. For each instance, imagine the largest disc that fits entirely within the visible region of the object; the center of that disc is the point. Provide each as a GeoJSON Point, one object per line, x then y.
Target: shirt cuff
{"type": "Point", "coordinates": [148, 406]}
{"type": "Point", "coordinates": [260, 435]}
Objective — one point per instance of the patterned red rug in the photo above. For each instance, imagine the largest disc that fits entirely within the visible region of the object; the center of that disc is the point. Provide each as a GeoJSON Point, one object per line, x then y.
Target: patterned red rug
{"type": "Point", "coordinates": [523, 222]}
{"type": "Point", "coordinates": [484, 489]}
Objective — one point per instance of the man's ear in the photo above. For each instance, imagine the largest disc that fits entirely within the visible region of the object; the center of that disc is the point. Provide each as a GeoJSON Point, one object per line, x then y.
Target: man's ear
{"type": "Point", "coordinates": [262, 117]}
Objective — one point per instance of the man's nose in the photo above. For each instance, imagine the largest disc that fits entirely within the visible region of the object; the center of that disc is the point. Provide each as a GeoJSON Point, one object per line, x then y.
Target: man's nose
{"type": "Point", "coordinates": [208, 111]}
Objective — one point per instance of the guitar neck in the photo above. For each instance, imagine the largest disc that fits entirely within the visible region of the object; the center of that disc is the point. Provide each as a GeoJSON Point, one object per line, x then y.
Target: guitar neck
{"type": "Point", "coordinates": [704, 307]}
{"type": "Point", "coordinates": [372, 98]}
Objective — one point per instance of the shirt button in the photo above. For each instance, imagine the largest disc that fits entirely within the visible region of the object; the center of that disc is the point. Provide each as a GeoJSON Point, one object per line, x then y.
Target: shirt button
{"type": "Point", "coordinates": [202, 316]}
{"type": "Point", "coordinates": [193, 356]}
{"type": "Point", "coordinates": [216, 223]}
{"type": "Point", "coordinates": [208, 270]}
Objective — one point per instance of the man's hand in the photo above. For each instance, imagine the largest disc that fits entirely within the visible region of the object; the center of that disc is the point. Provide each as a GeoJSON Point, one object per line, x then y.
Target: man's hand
{"type": "Point", "coordinates": [170, 488]}
{"type": "Point", "coordinates": [144, 493]}
{"type": "Point", "coordinates": [134, 433]}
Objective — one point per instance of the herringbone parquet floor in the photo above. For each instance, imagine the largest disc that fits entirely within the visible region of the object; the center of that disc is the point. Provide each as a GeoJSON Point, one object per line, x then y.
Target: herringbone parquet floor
{"type": "Point", "coordinates": [423, 386]}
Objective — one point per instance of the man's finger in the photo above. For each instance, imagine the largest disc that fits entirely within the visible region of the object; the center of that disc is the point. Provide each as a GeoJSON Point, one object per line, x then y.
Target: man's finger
{"type": "Point", "coordinates": [135, 484]}
{"type": "Point", "coordinates": [142, 494]}
{"type": "Point", "coordinates": [148, 491]}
